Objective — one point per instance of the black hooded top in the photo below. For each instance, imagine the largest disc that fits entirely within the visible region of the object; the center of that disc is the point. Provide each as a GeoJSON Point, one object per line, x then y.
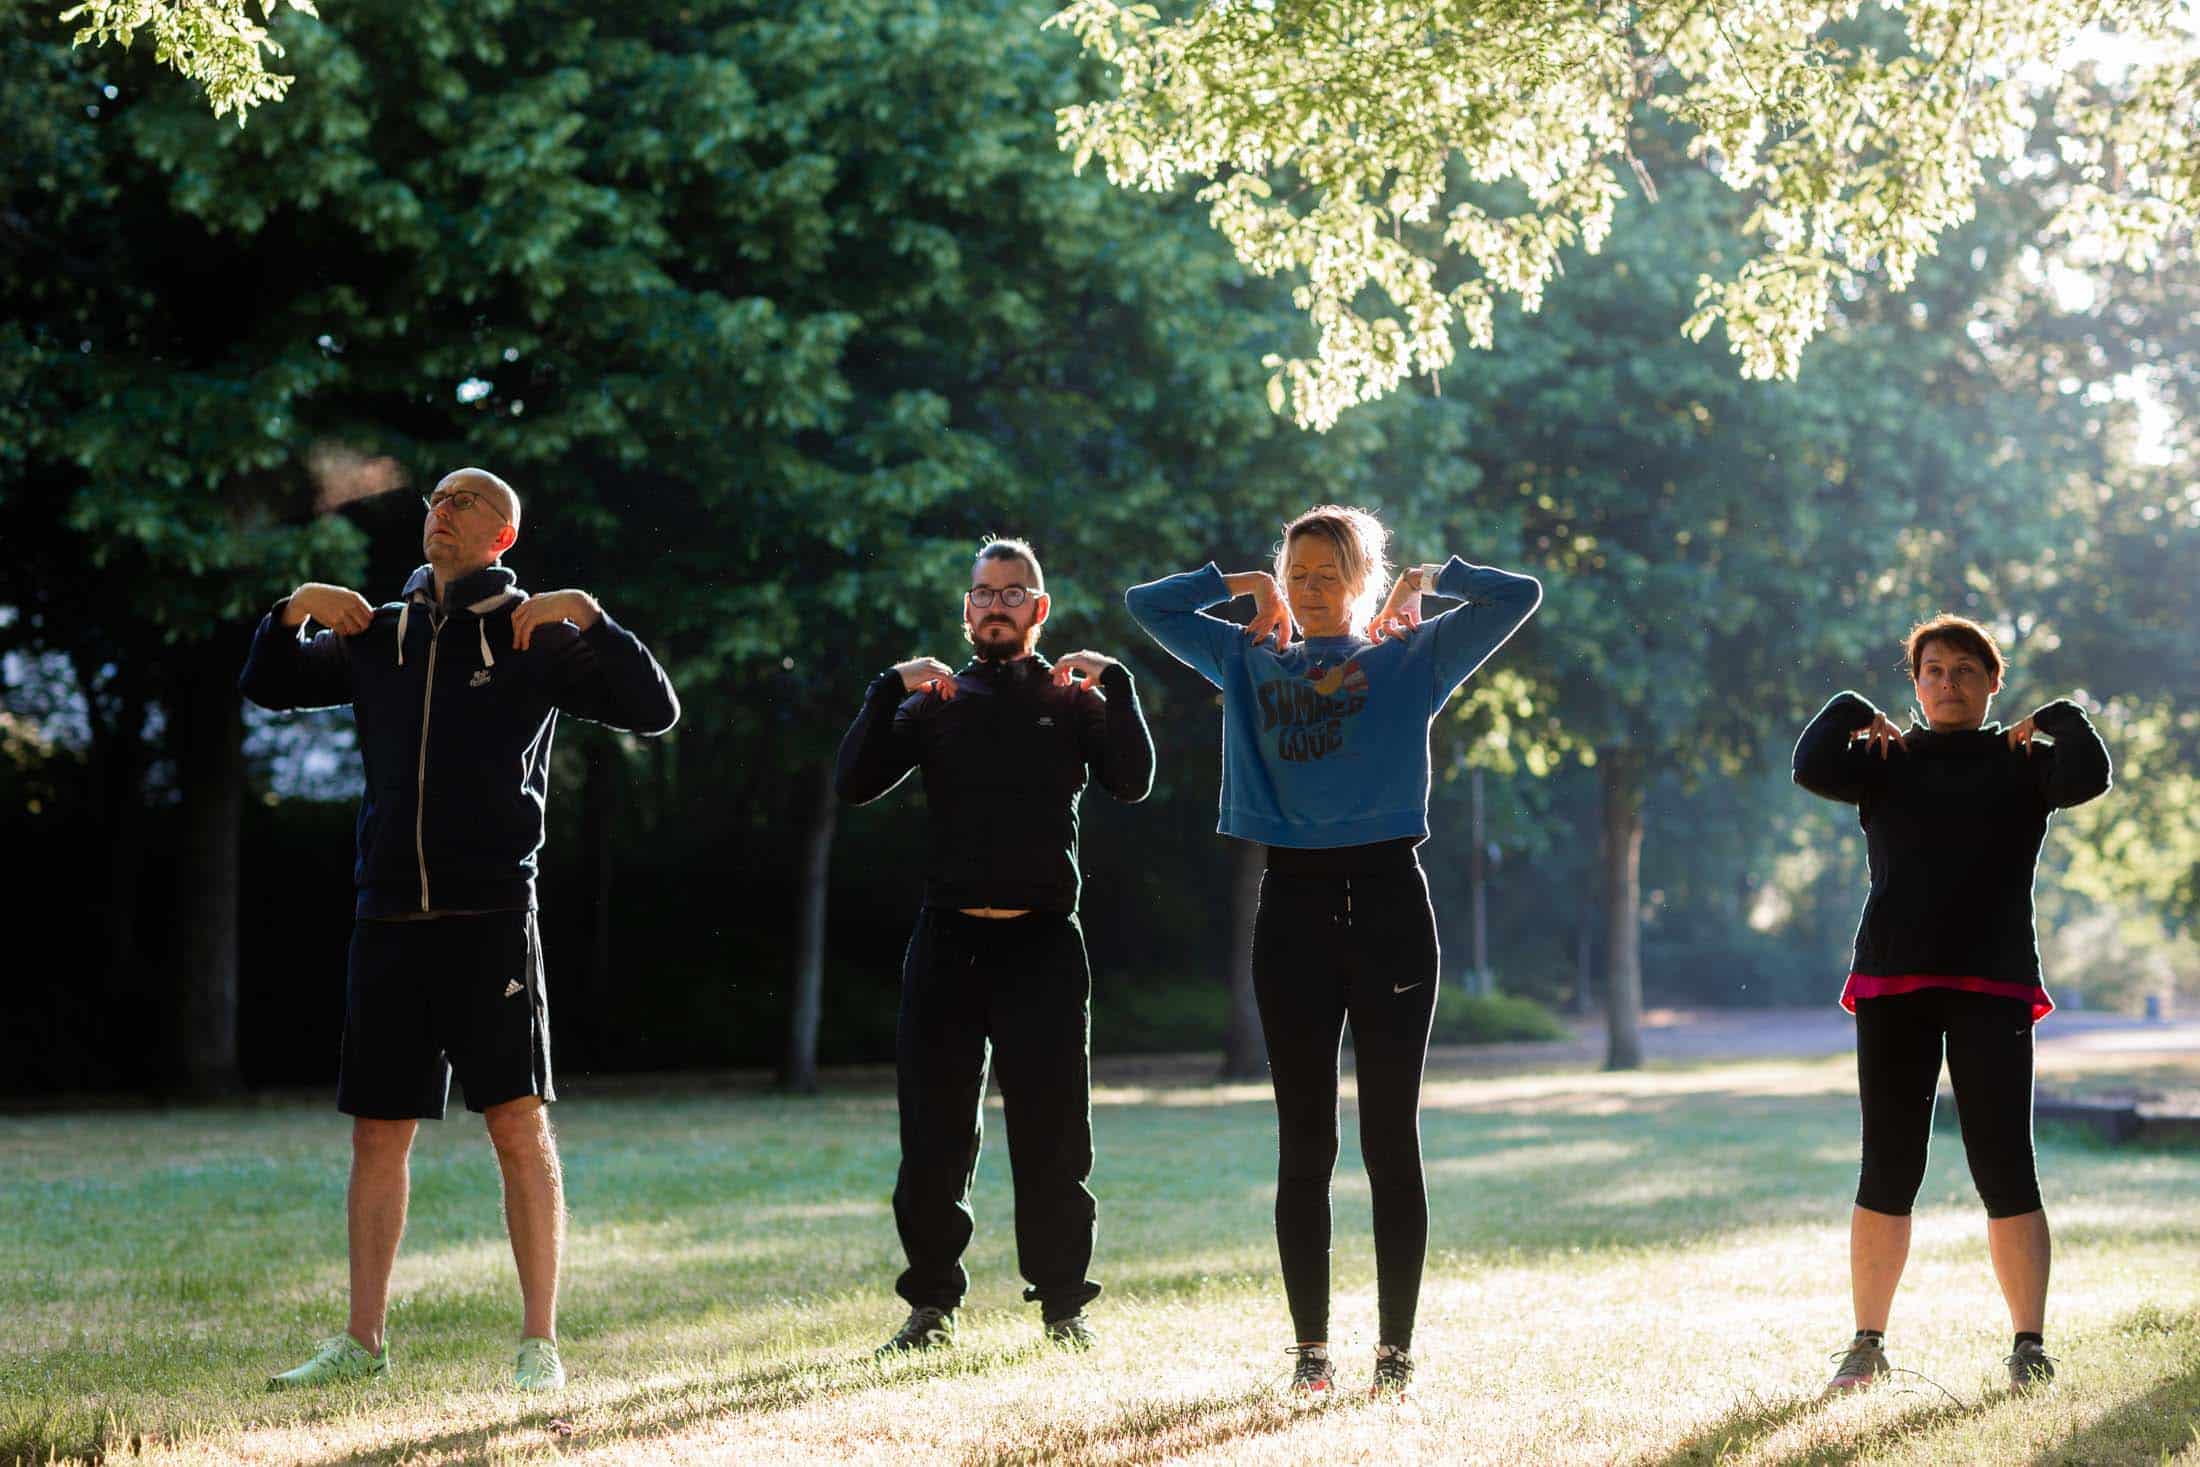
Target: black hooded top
{"type": "Point", "coordinates": [1953, 823]}
{"type": "Point", "coordinates": [1005, 763]}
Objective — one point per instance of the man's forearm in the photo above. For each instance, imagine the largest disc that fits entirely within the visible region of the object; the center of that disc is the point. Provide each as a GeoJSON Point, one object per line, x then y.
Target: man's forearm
{"type": "Point", "coordinates": [1127, 742]}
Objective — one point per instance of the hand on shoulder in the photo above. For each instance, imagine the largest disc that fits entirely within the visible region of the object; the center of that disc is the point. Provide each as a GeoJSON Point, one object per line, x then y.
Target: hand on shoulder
{"type": "Point", "coordinates": [928, 675]}
{"type": "Point", "coordinates": [1081, 669]}
{"type": "Point", "coordinates": [339, 608]}
{"type": "Point", "coordinates": [550, 608]}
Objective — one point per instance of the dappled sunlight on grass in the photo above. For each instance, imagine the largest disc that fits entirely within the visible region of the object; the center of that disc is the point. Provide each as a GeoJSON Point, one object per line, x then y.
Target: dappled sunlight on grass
{"type": "Point", "coordinates": [731, 1261]}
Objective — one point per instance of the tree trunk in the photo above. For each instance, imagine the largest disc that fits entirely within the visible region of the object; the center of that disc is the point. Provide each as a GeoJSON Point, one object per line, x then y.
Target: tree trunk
{"type": "Point", "coordinates": [1244, 1051]}
{"type": "Point", "coordinates": [118, 794]}
{"type": "Point", "coordinates": [207, 735]}
{"type": "Point", "coordinates": [800, 1071]}
{"type": "Point", "coordinates": [1620, 779]}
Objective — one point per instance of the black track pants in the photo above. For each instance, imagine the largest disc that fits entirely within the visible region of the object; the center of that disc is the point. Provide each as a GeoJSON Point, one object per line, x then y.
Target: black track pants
{"type": "Point", "coordinates": [1330, 950]}
{"type": "Point", "coordinates": [1012, 992]}
{"type": "Point", "coordinates": [1900, 1039]}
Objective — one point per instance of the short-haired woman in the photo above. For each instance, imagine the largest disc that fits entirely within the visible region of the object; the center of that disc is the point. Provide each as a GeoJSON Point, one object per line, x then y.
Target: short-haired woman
{"type": "Point", "coordinates": [1325, 762]}
{"type": "Point", "coordinates": [1954, 810]}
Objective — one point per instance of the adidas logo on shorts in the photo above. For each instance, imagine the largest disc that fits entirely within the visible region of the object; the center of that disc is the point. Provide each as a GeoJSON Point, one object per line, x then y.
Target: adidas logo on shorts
{"type": "Point", "coordinates": [511, 988]}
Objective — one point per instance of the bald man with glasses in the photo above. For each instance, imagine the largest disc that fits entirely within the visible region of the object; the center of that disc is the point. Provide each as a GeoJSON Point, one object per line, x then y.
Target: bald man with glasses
{"type": "Point", "coordinates": [995, 975]}
{"type": "Point", "coordinates": [456, 688]}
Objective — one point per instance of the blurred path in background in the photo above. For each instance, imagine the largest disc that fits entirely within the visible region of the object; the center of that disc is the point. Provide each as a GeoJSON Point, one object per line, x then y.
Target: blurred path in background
{"type": "Point", "coordinates": [2068, 1040]}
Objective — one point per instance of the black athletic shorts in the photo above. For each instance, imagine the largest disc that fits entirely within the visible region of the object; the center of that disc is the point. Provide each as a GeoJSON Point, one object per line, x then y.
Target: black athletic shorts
{"type": "Point", "coordinates": [435, 994]}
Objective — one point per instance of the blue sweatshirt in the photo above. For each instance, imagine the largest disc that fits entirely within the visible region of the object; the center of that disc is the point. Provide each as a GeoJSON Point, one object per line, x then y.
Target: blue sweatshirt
{"type": "Point", "coordinates": [1326, 744]}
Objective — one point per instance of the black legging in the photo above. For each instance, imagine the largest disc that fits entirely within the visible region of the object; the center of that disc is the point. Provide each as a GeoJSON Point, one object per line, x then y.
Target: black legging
{"type": "Point", "coordinates": [1988, 1039]}
{"type": "Point", "coordinates": [1348, 935]}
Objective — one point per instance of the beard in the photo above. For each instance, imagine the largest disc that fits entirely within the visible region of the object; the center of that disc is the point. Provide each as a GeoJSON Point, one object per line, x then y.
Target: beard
{"type": "Point", "coordinates": [1000, 649]}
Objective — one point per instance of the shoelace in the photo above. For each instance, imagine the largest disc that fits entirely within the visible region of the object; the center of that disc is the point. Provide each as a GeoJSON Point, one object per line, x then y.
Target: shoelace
{"type": "Point", "coordinates": [1850, 1354]}
{"type": "Point", "coordinates": [1856, 1359]}
{"type": "Point", "coordinates": [1312, 1368]}
{"type": "Point", "coordinates": [2036, 1356]}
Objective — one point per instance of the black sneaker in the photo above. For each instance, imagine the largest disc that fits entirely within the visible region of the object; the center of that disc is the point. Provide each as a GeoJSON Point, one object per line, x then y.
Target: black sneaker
{"type": "Point", "coordinates": [1863, 1364]}
{"type": "Point", "coordinates": [927, 1329]}
{"type": "Point", "coordinates": [2030, 1366]}
{"type": "Point", "coordinates": [1073, 1333]}
{"type": "Point", "coordinates": [1393, 1374]}
{"type": "Point", "coordinates": [1310, 1377]}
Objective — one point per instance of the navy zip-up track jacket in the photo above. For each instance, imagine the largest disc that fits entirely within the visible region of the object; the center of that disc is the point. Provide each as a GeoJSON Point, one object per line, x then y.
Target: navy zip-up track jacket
{"type": "Point", "coordinates": [454, 729]}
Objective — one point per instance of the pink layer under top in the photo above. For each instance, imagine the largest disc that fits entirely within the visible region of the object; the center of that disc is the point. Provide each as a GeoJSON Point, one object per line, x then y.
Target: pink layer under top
{"type": "Point", "coordinates": [1873, 985]}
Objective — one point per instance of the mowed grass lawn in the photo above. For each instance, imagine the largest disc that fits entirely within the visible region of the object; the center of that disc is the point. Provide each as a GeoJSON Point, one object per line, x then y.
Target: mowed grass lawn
{"type": "Point", "coordinates": [1647, 1268]}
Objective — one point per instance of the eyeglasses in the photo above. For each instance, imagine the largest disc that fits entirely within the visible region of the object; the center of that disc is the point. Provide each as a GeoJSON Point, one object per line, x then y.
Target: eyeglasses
{"type": "Point", "coordinates": [461, 501]}
{"type": "Point", "coordinates": [1009, 596]}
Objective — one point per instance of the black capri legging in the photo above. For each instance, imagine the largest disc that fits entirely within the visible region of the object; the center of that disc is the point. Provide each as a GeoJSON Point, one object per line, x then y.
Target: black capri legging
{"type": "Point", "coordinates": [1347, 936]}
{"type": "Point", "coordinates": [1988, 1042]}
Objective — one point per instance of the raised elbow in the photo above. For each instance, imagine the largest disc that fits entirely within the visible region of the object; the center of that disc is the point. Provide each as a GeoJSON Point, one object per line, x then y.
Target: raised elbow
{"type": "Point", "coordinates": [1131, 791]}
{"type": "Point", "coordinates": [662, 717]}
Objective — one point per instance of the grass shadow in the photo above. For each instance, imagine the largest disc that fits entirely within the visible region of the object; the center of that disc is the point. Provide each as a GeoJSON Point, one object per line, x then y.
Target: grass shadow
{"type": "Point", "coordinates": [1151, 1432]}
{"type": "Point", "coordinates": [1888, 1433]}
{"type": "Point", "coordinates": [779, 1387]}
{"type": "Point", "coordinates": [2146, 1428]}
{"type": "Point", "coordinates": [1742, 1426]}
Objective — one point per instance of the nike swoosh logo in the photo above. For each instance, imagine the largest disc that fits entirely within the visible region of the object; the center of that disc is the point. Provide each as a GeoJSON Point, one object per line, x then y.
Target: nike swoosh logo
{"type": "Point", "coordinates": [1403, 987]}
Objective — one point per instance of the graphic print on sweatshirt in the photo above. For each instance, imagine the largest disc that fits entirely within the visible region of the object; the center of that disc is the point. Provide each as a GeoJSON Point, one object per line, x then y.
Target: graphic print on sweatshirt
{"type": "Point", "coordinates": [1309, 714]}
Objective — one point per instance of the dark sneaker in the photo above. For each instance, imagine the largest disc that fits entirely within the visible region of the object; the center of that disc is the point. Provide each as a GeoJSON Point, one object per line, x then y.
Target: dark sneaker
{"type": "Point", "coordinates": [2030, 1367]}
{"type": "Point", "coordinates": [1310, 1377]}
{"type": "Point", "coordinates": [926, 1329]}
{"type": "Point", "coordinates": [1861, 1365]}
{"type": "Point", "coordinates": [1393, 1374]}
{"type": "Point", "coordinates": [1073, 1333]}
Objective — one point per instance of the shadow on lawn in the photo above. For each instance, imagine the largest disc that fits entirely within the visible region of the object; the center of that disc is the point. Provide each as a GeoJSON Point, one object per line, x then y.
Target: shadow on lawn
{"type": "Point", "coordinates": [1160, 1431]}
{"type": "Point", "coordinates": [2145, 1428]}
{"type": "Point", "coordinates": [660, 1410]}
{"type": "Point", "coordinates": [1740, 1428]}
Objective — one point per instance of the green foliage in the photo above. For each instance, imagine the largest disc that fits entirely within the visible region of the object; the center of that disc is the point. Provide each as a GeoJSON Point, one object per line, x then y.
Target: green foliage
{"type": "Point", "coordinates": [771, 311]}
{"type": "Point", "coordinates": [1492, 1018]}
{"type": "Point", "coordinates": [218, 45]}
{"type": "Point", "coordinates": [1335, 138]}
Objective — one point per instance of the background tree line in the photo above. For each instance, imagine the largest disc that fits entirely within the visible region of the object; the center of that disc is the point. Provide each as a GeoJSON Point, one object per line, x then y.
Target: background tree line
{"type": "Point", "coordinates": [772, 312]}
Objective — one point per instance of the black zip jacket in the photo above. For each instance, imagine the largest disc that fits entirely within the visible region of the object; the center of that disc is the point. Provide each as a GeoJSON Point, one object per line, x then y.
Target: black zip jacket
{"type": "Point", "coordinates": [455, 728]}
{"type": "Point", "coordinates": [1005, 763]}
{"type": "Point", "coordinates": [1953, 824]}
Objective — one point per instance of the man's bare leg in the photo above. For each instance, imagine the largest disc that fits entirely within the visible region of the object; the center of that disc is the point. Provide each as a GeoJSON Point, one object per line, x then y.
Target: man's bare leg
{"type": "Point", "coordinates": [534, 1206]}
{"type": "Point", "coordinates": [381, 1184]}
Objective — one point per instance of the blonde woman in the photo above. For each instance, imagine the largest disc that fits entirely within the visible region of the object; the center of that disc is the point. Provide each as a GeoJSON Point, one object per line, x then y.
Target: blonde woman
{"type": "Point", "coordinates": [1326, 705]}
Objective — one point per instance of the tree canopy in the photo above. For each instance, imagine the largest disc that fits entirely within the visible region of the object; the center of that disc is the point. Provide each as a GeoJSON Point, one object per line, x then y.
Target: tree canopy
{"type": "Point", "coordinates": [216, 43]}
{"type": "Point", "coordinates": [1338, 140]}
